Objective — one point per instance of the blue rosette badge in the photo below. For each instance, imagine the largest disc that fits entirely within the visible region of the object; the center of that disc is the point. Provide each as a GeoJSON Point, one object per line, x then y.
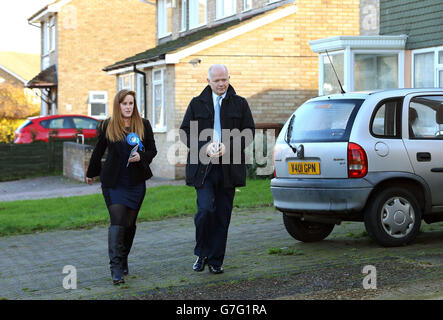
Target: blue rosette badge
{"type": "Point", "coordinates": [134, 140]}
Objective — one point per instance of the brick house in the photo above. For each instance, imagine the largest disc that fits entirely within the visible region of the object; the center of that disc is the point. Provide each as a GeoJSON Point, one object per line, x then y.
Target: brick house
{"type": "Point", "coordinates": [400, 46]}
{"type": "Point", "coordinates": [79, 37]}
{"type": "Point", "coordinates": [16, 69]}
{"type": "Point", "coordinates": [263, 43]}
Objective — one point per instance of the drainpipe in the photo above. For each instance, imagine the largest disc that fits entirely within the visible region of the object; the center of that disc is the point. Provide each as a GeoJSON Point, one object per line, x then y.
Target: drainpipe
{"type": "Point", "coordinates": [145, 109]}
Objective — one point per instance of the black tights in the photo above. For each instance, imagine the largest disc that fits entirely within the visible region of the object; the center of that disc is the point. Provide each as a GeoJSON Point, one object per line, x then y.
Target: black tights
{"type": "Point", "coordinates": [122, 215]}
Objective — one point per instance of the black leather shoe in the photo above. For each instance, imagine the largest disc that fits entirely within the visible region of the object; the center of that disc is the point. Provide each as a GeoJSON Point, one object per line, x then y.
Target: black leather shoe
{"type": "Point", "coordinates": [199, 264]}
{"type": "Point", "coordinates": [215, 270]}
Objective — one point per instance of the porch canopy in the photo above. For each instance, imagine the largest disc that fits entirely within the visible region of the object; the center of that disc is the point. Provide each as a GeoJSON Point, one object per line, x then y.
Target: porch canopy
{"type": "Point", "coordinates": [45, 79]}
{"type": "Point", "coordinates": [361, 62]}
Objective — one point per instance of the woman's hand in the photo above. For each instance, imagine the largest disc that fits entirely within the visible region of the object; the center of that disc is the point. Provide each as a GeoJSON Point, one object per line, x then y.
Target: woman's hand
{"type": "Point", "coordinates": [135, 157]}
{"type": "Point", "coordinates": [89, 181]}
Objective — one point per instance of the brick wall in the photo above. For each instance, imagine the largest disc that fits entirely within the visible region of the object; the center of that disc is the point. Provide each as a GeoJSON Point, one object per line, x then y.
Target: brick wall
{"type": "Point", "coordinates": [92, 35]}
{"type": "Point", "coordinates": [272, 66]}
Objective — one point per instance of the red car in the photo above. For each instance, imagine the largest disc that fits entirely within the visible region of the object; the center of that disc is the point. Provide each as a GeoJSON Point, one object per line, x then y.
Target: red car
{"type": "Point", "coordinates": [59, 126]}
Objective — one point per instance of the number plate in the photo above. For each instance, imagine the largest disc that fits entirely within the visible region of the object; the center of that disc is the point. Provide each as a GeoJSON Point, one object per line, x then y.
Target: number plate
{"type": "Point", "coordinates": [304, 167]}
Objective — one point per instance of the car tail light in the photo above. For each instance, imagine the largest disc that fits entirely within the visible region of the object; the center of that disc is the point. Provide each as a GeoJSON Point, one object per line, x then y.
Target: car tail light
{"type": "Point", "coordinates": [276, 152]}
{"type": "Point", "coordinates": [357, 161]}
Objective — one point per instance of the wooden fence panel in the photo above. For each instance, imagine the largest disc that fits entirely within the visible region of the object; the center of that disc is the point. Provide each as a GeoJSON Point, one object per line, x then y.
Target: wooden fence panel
{"type": "Point", "coordinates": [38, 158]}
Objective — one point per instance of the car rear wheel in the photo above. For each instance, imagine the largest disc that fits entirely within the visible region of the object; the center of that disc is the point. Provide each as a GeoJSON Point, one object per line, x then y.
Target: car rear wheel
{"type": "Point", "coordinates": [306, 231]}
{"type": "Point", "coordinates": [393, 217]}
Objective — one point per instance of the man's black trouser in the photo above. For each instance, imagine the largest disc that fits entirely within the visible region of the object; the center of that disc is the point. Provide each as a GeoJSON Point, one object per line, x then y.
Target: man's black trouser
{"type": "Point", "coordinates": [214, 204]}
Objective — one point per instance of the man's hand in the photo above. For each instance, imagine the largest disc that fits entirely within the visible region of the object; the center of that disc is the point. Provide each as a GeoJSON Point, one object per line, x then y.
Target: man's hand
{"type": "Point", "coordinates": [89, 181]}
{"type": "Point", "coordinates": [215, 149]}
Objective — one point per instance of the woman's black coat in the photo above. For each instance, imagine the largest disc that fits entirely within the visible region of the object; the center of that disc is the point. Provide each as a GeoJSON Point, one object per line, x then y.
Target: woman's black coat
{"type": "Point", "coordinates": [138, 171]}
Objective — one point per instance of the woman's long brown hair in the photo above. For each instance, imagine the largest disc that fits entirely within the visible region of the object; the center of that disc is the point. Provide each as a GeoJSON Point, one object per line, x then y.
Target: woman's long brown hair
{"type": "Point", "coordinates": [116, 128]}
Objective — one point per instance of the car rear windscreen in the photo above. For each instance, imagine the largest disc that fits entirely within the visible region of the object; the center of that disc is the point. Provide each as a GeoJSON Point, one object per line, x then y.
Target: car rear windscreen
{"type": "Point", "coordinates": [323, 121]}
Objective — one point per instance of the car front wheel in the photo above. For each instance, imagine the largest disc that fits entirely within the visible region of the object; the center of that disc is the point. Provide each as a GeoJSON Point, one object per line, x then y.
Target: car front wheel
{"type": "Point", "coordinates": [393, 217]}
{"type": "Point", "coordinates": [306, 231]}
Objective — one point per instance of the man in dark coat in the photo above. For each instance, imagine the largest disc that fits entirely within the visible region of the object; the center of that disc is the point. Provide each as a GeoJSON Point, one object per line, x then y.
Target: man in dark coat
{"type": "Point", "coordinates": [217, 127]}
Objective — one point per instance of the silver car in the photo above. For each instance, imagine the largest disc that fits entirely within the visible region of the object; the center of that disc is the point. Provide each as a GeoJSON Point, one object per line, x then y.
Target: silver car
{"type": "Point", "coordinates": [375, 157]}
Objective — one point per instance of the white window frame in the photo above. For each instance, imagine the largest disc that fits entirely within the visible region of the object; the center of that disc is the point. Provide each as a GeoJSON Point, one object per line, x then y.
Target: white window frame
{"type": "Point", "coordinates": [184, 15]}
{"type": "Point", "coordinates": [104, 101]}
{"type": "Point", "coordinates": [135, 84]}
{"type": "Point", "coordinates": [162, 18]}
{"type": "Point", "coordinates": [219, 11]}
{"type": "Point", "coordinates": [120, 81]}
{"type": "Point", "coordinates": [45, 43]}
{"type": "Point", "coordinates": [321, 69]}
{"type": "Point", "coordinates": [437, 66]}
{"type": "Point", "coordinates": [51, 33]}
{"type": "Point", "coordinates": [400, 64]}
{"type": "Point", "coordinates": [161, 82]}
{"type": "Point", "coordinates": [190, 7]}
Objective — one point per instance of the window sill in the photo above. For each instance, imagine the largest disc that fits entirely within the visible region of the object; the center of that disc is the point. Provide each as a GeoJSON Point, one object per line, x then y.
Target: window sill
{"type": "Point", "coordinates": [164, 35]}
{"type": "Point", "coordinates": [225, 17]}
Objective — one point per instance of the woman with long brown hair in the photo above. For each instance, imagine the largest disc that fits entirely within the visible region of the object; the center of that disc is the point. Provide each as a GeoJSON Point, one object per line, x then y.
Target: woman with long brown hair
{"type": "Point", "coordinates": [131, 148]}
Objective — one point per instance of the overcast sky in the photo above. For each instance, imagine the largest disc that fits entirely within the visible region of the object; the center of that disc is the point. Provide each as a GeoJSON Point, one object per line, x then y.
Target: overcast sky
{"type": "Point", "coordinates": [15, 32]}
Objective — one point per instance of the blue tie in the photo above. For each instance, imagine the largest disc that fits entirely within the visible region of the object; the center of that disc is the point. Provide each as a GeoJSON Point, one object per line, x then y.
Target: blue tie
{"type": "Point", "coordinates": [217, 126]}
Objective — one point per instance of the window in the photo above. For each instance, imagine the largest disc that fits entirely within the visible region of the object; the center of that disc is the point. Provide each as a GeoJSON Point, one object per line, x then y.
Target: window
{"type": "Point", "coordinates": [426, 117]}
{"type": "Point", "coordinates": [330, 83]}
{"type": "Point", "coordinates": [158, 101]}
{"type": "Point", "coordinates": [193, 14]}
{"type": "Point", "coordinates": [134, 82]}
{"type": "Point", "coordinates": [84, 123]}
{"type": "Point", "coordinates": [386, 119]}
{"type": "Point", "coordinates": [225, 8]}
{"type": "Point", "coordinates": [45, 30]}
{"type": "Point", "coordinates": [125, 81]}
{"type": "Point", "coordinates": [49, 35]}
{"type": "Point", "coordinates": [98, 104]}
{"type": "Point", "coordinates": [247, 5]}
{"type": "Point", "coordinates": [324, 121]}
{"type": "Point", "coordinates": [375, 71]}
{"type": "Point", "coordinates": [184, 19]}
{"type": "Point", "coordinates": [164, 18]}
{"type": "Point", "coordinates": [424, 70]}
{"type": "Point", "coordinates": [61, 123]}
{"type": "Point", "coordinates": [427, 66]}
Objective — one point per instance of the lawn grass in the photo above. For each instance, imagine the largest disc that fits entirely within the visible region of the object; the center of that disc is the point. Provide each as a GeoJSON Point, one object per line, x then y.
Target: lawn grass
{"type": "Point", "coordinates": [29, 216]}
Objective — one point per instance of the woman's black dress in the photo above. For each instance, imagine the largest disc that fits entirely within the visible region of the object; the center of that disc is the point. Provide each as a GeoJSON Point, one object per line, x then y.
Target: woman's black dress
{"type": "Point", "coordinates": [124, 193]}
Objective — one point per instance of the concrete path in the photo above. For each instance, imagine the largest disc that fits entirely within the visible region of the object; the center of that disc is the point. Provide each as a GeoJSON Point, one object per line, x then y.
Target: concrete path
{"type": "Point", "coordinates": [32, 265]}
{"type": "Point", "coordinates": [58, 186]}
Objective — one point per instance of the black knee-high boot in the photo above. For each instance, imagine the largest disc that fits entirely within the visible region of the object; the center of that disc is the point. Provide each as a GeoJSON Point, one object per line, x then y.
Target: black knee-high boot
{"type": "Point", "coordinates": [129, 238]}
{"type": "Point", "coordinates": [116, 248]}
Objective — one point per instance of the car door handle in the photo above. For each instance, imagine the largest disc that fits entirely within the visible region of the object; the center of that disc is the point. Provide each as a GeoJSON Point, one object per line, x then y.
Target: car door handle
{"type": "Point", "coordinates": [423, 156]}
{"type": "Point", "coordinates": [437, 170]}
